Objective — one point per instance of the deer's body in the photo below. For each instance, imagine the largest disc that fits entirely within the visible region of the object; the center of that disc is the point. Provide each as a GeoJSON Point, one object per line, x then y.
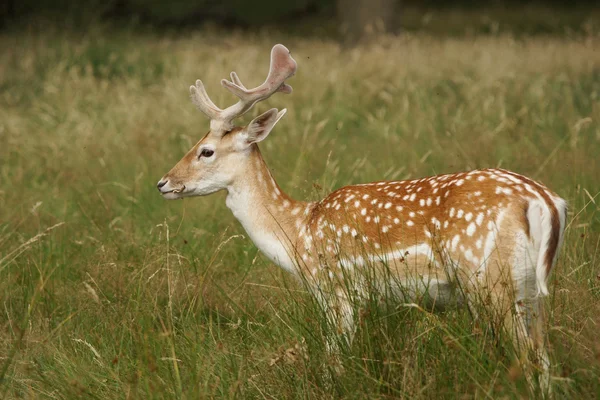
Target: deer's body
{"type": "Point", "coordinates": [476, 222]}
{"type": "Point", "coordinates": [493, 233]}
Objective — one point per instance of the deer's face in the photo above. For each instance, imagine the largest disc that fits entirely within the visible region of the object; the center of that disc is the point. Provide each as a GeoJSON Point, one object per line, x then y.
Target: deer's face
{"type": "Point", "coordinates": [216, 161]}
{"type": "Point", "coordinates": [208, 167]}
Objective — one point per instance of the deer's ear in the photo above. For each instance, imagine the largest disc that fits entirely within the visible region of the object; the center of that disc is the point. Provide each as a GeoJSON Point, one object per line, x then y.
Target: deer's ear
{"type": "Point", "coordinates": [260, 127]}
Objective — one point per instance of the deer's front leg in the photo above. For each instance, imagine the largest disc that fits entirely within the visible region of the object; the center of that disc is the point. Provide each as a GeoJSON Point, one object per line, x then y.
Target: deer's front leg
{"type": "Point", "coordinates": [339, 313]}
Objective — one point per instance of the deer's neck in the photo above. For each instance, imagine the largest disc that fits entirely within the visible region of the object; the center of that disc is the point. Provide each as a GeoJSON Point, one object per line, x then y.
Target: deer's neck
{"type": "Point", "coordinates": [271, 218]}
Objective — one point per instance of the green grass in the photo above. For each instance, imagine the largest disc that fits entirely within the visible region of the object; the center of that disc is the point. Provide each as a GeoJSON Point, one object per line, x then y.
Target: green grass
{"type": "Point", "coordinates": [135, 297]}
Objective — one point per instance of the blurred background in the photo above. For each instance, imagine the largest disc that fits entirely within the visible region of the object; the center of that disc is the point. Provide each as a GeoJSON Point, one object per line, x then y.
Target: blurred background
{"type": "Point", "coordinates": [345, 19]}
{"type": "Point", "coordinates": [107, 291]}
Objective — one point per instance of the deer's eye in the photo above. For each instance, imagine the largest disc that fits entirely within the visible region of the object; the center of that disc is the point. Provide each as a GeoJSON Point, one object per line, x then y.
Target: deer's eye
{"type": "Point", "coordinates": [206, 153]}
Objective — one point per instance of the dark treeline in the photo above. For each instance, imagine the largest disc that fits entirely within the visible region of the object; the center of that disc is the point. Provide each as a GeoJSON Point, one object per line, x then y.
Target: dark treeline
{"type": "Point", "coordinates": [164, 12]}
{"type": "Point", "coordinates": [247, 14]}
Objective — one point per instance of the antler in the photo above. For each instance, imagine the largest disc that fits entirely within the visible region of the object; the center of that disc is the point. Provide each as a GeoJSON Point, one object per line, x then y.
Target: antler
{"type": "Point", "coordinates": [282, 67]}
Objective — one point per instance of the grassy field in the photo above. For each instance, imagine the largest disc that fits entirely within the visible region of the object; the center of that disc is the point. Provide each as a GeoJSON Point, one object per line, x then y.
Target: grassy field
{"type": "Point", "coordinates": [108, 291]}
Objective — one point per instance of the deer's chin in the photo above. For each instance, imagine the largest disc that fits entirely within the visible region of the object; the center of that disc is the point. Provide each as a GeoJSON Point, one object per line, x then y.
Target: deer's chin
{"type": "Point", "coordinates": [178, 193]}
{"type": "Point", "coordinates": [172, 196]}
{"type": "Point", "coordinates": [185, 192]}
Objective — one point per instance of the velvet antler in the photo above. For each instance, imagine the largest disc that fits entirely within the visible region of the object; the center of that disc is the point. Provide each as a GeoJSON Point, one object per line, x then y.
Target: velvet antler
{"type": "Point", "coordinates": [282, 67]}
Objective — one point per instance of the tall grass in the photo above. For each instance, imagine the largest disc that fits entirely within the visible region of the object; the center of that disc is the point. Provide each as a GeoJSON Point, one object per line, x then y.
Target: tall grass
{"type": "Point", "coordinates": [107, 291]}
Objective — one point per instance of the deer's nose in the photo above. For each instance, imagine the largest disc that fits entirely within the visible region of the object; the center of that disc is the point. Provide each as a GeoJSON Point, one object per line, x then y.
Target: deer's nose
{"type": "Point", "coordinates": [161, 183]}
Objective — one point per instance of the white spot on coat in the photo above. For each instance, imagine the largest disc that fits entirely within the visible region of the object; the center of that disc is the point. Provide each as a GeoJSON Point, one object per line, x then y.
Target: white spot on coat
{"type": "Point", "coordinates": [471, 229]}
{"type": "Point", "coordinates": [479, 219]}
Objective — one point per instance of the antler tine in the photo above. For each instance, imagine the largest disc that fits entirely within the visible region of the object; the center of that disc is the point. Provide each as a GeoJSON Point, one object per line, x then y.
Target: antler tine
{"type": "Point", "coordinates": [281, 68]}
{"type": "Point", "coordinates": [203, 102]}
{"type": "Point", "coordinates": [236, 80]}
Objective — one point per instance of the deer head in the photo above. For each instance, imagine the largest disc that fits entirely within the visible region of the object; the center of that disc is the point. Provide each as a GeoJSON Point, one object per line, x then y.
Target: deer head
{"type": "Point", "coordinates": [219, 158]}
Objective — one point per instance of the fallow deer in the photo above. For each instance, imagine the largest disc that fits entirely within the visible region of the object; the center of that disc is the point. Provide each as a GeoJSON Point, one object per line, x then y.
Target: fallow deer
{"type": "Point", "coordinates": [493, 233]}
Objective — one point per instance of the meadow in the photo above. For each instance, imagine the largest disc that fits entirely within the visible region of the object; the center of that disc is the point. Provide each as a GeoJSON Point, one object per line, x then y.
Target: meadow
{"type": "Point", "coordinates": [108, 291]}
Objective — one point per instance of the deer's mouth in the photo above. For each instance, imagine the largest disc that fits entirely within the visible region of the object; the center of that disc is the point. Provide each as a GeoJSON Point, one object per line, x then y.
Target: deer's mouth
{"type": "Point", "coordinates": [180, 190]}
{"type": "Point", "coordinates": [173, 194]}
{"type": "Point", "coordinates": [176, 190]}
